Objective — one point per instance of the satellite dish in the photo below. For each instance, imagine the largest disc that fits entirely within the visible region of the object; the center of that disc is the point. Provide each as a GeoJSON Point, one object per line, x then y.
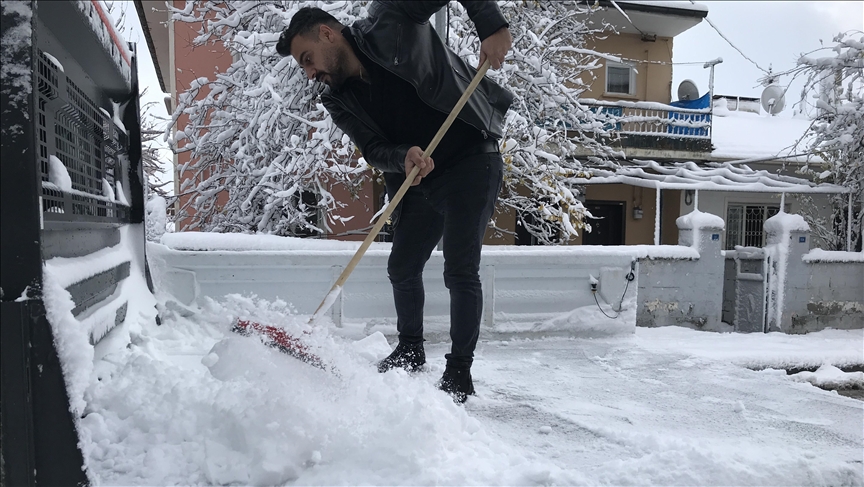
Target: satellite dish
{"type": "Point", "coordinates": [687, 90]}
{"type": "Point", "coordinates": [773, 99]}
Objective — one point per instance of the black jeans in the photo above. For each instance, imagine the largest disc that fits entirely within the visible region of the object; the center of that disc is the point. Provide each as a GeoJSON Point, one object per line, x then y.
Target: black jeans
{"type": "Point", "coordinates": [457, 204]}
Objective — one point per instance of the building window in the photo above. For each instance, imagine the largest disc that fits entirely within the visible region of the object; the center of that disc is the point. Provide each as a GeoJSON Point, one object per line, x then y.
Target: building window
{"type": "Point", "coordinates": [620, 79]}
{"type": "Point", "coordinates": [745, 224]}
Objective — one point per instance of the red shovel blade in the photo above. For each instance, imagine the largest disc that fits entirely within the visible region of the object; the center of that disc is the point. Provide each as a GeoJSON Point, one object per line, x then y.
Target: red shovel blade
{"type": "Point", "coordinates": [280, 339]}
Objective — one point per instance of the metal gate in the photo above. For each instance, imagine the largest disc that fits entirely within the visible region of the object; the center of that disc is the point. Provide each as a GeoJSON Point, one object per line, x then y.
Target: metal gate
{"type": "Point", "coordinates": [66, 76]}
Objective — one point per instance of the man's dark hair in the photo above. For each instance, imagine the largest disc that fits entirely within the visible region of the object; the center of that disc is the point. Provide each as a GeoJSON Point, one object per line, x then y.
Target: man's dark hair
{"type": "Point", "coordinates": [304, 22]}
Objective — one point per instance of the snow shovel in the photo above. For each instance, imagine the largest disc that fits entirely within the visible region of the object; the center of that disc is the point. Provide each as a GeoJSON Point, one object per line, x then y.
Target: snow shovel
{"type": "Point", "coordinates": [291, 345]}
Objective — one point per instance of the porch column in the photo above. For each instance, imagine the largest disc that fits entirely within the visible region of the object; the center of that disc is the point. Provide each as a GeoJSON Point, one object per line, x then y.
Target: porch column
{"type": "Point", "coordinates": [849, 225]}
{"type": "Point", "coordinates": [657, 215]}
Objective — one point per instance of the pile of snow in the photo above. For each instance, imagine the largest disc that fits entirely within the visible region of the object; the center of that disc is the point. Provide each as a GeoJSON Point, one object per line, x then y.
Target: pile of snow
{"type": "Point", "coordinates": [206, 241]}
{"type": "Point", "coordinates": [745, 135]}
{"type": "Point", "coordinates": [600, 320]}
{"type": "Point", "coordinates": [155, 218]}
{"type": "Point", "coordinates": [191, 403]}
{"type": "Point", "coordinates": [74, 336]}
{"type": "Point", "coordinates": [819, 255]}
{"type": "Point", "coordinates": [58, 175]}
{"type": "Point", "coordinates": [107, 190]}
{"type": "Point", "coordinates": [696, 221]}
{"type": "Point", "coordinates": [588, 251]}
{"type": "Point", "coordinates": [258, 242]}
{"type": "Point", "coordinates": [773, 350]}
{"type": "Point", "coordinates": [783, 223]}
{"type": "Point", "coordinates": [829, 377]}
{"type": "Point", "coordinates": [121, 195]}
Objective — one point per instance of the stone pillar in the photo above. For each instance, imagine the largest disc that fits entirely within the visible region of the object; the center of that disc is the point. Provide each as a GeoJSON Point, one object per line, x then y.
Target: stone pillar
{"type": "Point", "coordinates": [702, 288]}
{"type": "Point", "coordinates": [788, 241]}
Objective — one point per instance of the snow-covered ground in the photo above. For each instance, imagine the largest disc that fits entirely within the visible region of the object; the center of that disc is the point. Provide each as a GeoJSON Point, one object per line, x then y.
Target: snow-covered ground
{"type": "Point", "coordinates": [191, 403]}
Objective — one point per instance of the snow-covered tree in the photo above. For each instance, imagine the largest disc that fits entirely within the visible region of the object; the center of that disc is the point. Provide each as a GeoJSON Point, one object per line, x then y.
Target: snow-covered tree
{"type": "Point", "coordinates": [262, 136]}
{"type": "Point", "coordinates": [152, 129]}
{"type": "Point", "coordinates": [834, 84]}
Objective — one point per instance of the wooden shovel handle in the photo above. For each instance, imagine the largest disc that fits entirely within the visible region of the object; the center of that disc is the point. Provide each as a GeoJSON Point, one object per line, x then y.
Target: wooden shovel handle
{"type": "Point", "coordinates": [402, 189]}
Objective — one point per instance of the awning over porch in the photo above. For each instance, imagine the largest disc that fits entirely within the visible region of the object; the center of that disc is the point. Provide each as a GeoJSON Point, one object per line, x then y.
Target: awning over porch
{"type": "Point", "coordinates": [709, 177]}
{"type": "Point", "coordinates": [725, 176]}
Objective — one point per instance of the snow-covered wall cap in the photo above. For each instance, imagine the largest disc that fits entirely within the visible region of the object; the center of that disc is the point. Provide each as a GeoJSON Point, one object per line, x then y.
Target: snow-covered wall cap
{"type": "Point", "coordinates": [819, 255]}
{"type": "Point", "coordinates": [698, 7]}
{"type": "Point", "coordinates": [786, 222]}
{"type": "Point", "coordinates": [697, 219]}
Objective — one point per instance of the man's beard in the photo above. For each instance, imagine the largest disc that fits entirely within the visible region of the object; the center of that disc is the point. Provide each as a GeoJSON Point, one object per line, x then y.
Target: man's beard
{"type": "Point", "coordinates": [337, 69]}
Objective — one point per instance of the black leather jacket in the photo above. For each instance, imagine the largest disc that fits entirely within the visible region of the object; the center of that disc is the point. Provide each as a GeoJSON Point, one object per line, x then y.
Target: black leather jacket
{"type": "Point", "coordinates": [399, 37]}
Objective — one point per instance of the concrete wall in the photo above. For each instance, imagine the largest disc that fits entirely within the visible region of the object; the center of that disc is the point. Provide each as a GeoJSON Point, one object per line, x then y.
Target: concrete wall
{"type": "Point", "coordinates": [816, 292]}
{"type": "Point", "coordinates": [521, 284]}
{"type": "Point", "coordinates": [835, 297]}
{"type": "Point", "coordinates": [684, 292]}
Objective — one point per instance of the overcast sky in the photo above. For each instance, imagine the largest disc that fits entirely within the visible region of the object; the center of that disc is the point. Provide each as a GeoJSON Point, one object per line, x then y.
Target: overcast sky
{"type": "Point", "coordinates": [771, 33]}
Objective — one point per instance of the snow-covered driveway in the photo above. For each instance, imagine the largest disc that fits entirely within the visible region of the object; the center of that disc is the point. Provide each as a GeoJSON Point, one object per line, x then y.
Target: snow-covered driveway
{"type": "Point", "coordinates": [625, 410]}
{"type": "Point", "coordinates": [610, 412]}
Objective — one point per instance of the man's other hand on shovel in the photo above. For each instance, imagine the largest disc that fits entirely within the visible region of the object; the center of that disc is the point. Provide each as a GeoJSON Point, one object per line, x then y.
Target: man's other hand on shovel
{"type": "Point", "coordinates": [414, 157]}
{"type": "Point", "coordinates": [495, 48]}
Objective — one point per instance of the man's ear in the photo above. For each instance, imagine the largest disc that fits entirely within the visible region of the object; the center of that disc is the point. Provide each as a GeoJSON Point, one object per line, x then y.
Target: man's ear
{"type": "Point", "coordinates": [325, 32]}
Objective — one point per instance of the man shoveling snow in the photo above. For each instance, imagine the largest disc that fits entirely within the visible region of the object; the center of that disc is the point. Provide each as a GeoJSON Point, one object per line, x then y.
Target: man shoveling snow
{"type": "Point", "coordinates": [391, 83]}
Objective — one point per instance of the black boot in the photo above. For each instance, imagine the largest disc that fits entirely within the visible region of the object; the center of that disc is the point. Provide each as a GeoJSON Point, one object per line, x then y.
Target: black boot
{"type": "Point", "coordinates": [457, 382]}
{"type": "Point", "coordinates": [409, 356]}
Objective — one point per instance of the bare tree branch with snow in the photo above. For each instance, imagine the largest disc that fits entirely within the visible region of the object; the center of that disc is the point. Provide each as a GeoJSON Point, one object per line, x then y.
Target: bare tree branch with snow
{"type": "Point", "coordinates": [834, 84]}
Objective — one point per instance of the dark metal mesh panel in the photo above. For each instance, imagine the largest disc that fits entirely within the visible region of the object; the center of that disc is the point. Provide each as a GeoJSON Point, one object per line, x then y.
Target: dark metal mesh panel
{"type": "Point", "coordinates": [71, 127]}
{"type": "Point", "coordinates": [734, 221]}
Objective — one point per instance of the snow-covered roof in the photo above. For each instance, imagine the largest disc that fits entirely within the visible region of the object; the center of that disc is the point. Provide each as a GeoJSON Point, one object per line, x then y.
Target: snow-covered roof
{"type": "Point", "coordinates": [711, 177]}
{"type": "Point", "coordinates": [679, 5]}
{"type": "Point", "coordinates": [746, 135]}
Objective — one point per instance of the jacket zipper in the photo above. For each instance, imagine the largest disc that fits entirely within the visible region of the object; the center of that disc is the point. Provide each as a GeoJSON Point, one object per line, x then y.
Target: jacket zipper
{"type": "Point", "coordinates": [398, 44]}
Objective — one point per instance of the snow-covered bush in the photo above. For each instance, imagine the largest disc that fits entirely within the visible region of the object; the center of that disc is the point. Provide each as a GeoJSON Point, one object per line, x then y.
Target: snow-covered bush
{"type": "Point", "coordinates": [152, 128]}
{"type": "Point", "coordinates": [262, 136]}
{"type": "Point", "coordinates": [834, 84]}
{"type": "Point", "coordinates": [155, 217]}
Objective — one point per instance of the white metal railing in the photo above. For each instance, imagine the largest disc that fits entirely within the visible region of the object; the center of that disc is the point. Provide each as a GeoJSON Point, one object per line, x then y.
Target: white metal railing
{"type": "Point", "coordinates": [651, 118]}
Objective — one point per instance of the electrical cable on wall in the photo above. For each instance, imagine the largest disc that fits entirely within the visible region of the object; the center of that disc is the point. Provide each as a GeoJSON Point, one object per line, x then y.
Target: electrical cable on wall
{"type": "Point", "coordinates": [630, 277]}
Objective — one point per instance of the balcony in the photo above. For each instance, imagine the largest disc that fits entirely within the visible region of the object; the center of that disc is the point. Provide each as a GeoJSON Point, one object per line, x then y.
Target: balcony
{"type": "Point", "coordinates": [656, 130]}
